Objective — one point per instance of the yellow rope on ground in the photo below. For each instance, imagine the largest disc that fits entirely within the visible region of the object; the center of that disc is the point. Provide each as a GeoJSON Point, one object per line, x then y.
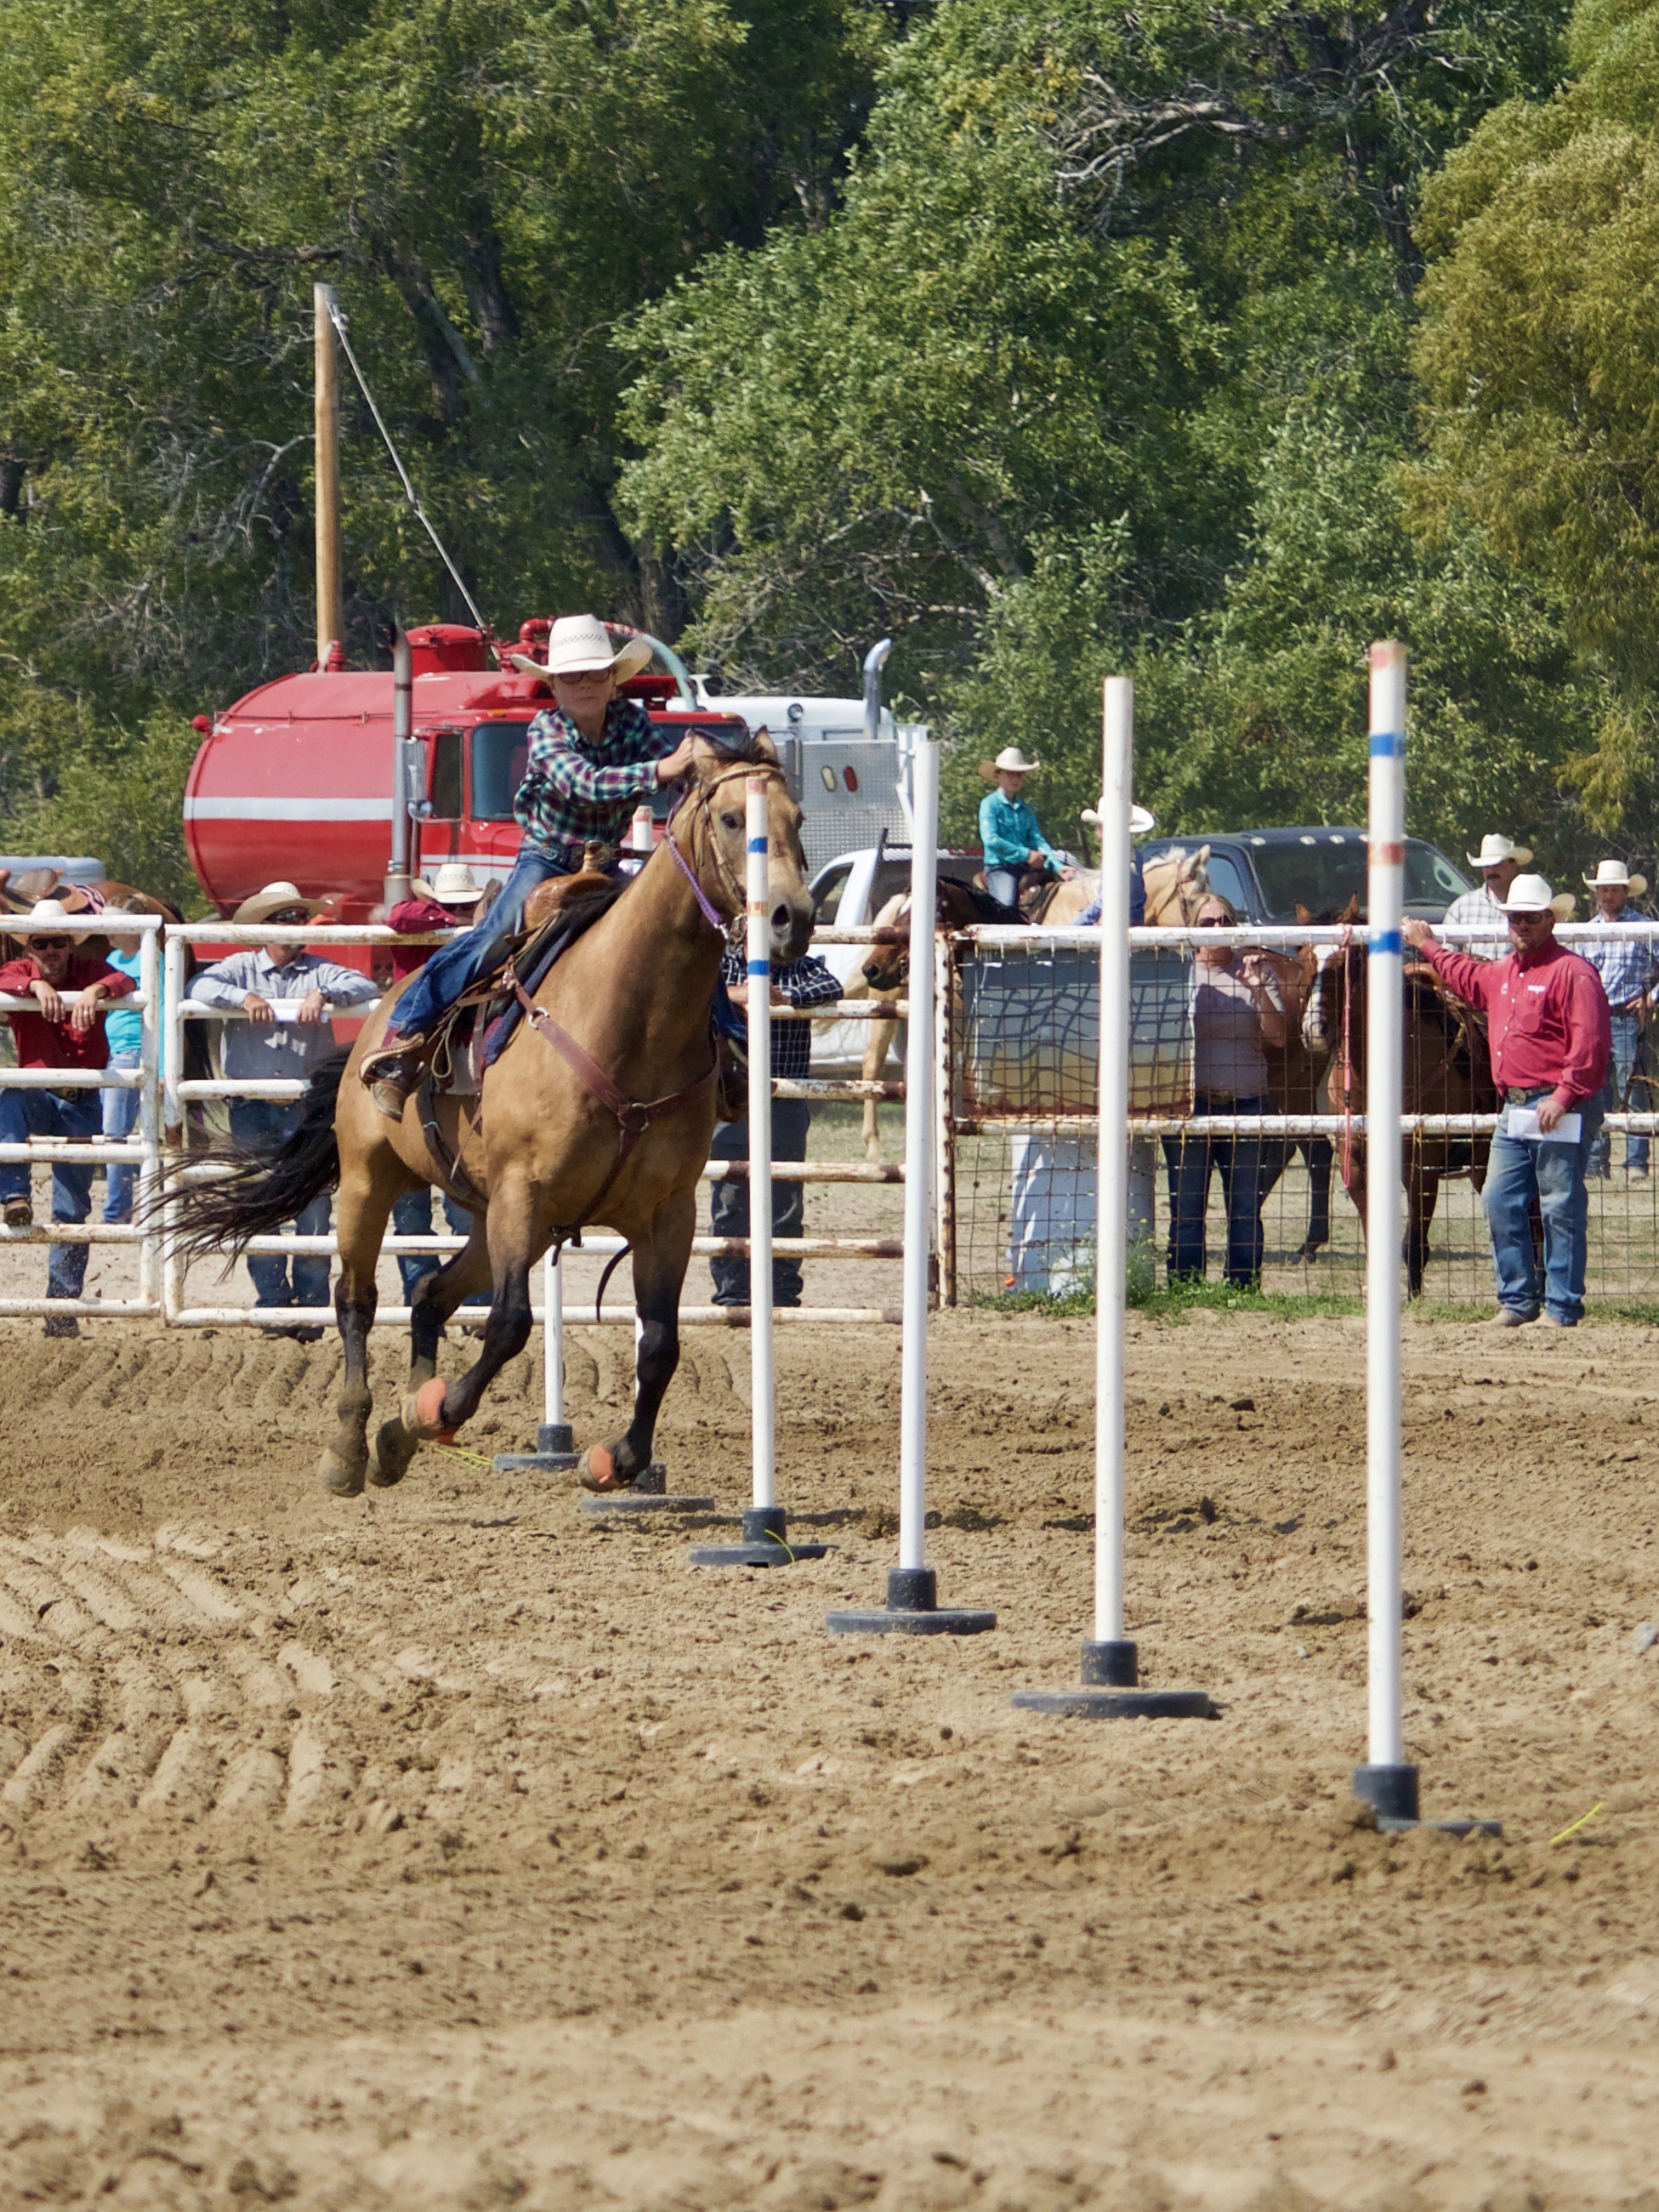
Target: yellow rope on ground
{"type": "Point", "coordinates": [1579, 1822]}
{"type": "Point", "coordinates": [476, 1458]}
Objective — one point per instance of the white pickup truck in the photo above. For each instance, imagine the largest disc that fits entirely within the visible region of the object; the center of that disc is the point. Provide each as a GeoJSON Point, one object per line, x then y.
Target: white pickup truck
{"type": "Point", "coordinates": [848, 893]}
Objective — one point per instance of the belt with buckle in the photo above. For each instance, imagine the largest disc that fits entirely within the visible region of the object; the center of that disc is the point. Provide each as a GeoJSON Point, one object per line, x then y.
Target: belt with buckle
{"type": "Point", "coordinates": [1513, 1097]}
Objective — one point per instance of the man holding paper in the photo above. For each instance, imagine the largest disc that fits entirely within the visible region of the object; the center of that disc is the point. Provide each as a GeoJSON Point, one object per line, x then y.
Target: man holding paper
{"type": "Point", "coordinates": [1546, 1021]}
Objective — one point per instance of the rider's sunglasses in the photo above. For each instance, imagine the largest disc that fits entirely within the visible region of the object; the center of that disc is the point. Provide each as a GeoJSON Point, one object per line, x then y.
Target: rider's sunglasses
{"type": "Point", "coordinates": [289, 914]}
{"type": "Point", "coordinates": [49, 943]}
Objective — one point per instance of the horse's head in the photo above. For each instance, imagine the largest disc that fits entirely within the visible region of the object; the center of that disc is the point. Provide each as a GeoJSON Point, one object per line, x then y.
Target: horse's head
{"type": "Point", "coordinates": [887, 958]}
{"type": "Point", "coordinates": [1323, 970]}
{"type": "Point", "coordinates": [711, 826]}
{"type": "Point", "coordinates": [1175, 886]}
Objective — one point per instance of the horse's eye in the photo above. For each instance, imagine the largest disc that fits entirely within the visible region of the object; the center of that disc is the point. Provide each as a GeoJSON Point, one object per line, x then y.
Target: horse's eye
{"type": "Point", "coordinates": [731, 821]}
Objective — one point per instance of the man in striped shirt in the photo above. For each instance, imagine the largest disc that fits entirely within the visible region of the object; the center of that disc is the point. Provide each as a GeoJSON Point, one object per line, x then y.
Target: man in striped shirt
{"type": "Point", "coordinates": [803, 982]}
{"type": "Point", "coordinates": [1626, 970]}
{"type": "Point", "coordinates": [1499, 860]}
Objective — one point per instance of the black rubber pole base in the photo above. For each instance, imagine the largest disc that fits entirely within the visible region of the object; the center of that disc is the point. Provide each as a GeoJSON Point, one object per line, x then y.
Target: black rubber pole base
{"type": "Point", "coordinates": [1392, 1792]}
{"type": "Point", "coordinates": [555, 1453]}
{"type": "Point", "coordinates": [1111, 1673]}
{"type": "Point", "coordinates": [911, 1609]}
{"type": "Point", "coordinates": [649, 1494]}
{"type": "Point", "coordinates": [765, 1544]}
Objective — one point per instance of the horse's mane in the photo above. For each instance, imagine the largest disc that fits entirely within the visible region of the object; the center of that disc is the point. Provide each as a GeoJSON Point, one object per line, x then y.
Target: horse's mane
{"type": "Point", "coordinates": [730, 750]}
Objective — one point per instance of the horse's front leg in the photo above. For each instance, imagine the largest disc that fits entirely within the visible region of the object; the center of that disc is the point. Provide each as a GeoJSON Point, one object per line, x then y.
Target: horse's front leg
{"type": "Point", "coordinates": [661, 1255]}
{"type": "Point", "coordinates": [877, 1045]}
{"type": "Point", "coordinates": [365, 1197]}
{"type": "Point", "coordinates": [436, 1297]}
{"type": "Point", "coordinates": [1422, 1194]}
{"type": "Point", "coordinates": [436, 1410]}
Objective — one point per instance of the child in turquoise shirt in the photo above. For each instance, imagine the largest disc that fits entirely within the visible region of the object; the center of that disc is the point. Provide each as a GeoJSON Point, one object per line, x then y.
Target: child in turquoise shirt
{"type": "Point", "coordinates": [1009, 833]}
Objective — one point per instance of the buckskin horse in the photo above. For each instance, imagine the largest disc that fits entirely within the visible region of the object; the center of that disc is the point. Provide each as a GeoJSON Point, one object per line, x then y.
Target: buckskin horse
{"type": "Point", "coordinates": [598, 1113]}
{"type": "Point", "coordinates": [1447, 1069]}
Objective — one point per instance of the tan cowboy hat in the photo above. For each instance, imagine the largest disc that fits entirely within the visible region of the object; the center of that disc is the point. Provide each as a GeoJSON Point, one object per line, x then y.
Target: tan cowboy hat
{"type": "Point", "coordinates": [1532, 895]}
{"type": "Point", "coordinates": [272, 900]}
{"type": "Point", "coordinates": [1615, 871]}
{"type": "Point", "coordinates": [455, 884]}
{"type": "Point", "coordinates": [1495, 848]}
{"type": "Point", "coordinates": [53, 914]}
{"type": "Point", "coordinates": [1011, 758]}
{"type": "Point", "coordinates": [579, 645]}
{"type": "Point", "coordinates": [1141, 822]}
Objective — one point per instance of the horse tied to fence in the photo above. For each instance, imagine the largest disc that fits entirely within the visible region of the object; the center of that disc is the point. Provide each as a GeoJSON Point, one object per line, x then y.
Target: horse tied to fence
{"type": "Point", "coordinates": [598, 1113]}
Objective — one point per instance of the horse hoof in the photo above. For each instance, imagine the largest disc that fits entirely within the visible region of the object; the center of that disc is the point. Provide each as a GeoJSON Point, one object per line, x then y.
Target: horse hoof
{"type": "Point", "coordinates": [340, 1478]}
{"type": "Point", "coordinates": [423, 1414]}
{"type": "Point", "coordinates": [391, 1455]}
{"type": "Point", "coordinates": [597, 1470]}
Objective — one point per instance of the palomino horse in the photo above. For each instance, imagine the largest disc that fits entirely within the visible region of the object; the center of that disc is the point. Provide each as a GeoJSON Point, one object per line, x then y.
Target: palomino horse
{"type": "Point", "coordinates": [19, 893]}
{"type": "Point", "coordinates": [599, 1112]}
{"type": "Point", "coordinates": [1447, 1071]}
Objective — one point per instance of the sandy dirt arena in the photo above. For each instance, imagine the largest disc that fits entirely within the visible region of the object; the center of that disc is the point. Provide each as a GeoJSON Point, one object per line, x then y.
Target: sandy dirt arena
{"type": "Point", "coordinates": [439, 1848]}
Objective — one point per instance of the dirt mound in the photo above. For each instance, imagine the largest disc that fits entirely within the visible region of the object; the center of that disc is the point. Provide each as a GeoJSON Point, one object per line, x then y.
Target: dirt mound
{"type": "Point", "coordinates": [440, 1847]}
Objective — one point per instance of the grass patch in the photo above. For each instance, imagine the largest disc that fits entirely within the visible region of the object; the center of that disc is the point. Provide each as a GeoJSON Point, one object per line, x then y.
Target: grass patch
{"type": "Point", "coordinates": [1176, 1301]}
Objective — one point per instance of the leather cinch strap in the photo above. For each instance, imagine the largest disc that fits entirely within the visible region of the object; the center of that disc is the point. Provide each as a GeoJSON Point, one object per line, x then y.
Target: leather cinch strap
{"type": "Point", "coordinates": [633, 1116]}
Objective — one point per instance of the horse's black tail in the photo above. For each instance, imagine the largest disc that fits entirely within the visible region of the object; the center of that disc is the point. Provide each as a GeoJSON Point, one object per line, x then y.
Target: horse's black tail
{"type": "Point", "coordinates": [260, 1191]}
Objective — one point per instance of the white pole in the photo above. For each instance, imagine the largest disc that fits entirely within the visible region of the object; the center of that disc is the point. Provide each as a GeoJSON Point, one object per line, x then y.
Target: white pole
{"type": "Point", "coordinates": [173, 1109]}
{"type": "Point", "coordinates": [760, 1141]}
{"type": "Point", "coordinates": [149, 1132]}
{"type": "Point", "coordinates": [1112, 1161]}
{"type": "Point", "coordinates": [1384, 1095]}
{"type": "Point", "coordinates": [552, 1341]}
{"type": "Point", "coordinates": [918, 1156]}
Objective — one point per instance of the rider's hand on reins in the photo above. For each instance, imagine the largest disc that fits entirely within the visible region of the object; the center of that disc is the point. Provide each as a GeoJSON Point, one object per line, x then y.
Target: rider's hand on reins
{"type": "Point", "coordinates": [677, 763]}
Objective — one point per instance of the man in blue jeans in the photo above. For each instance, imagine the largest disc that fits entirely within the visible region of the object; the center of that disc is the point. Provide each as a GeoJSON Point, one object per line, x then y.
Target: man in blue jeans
{"type": "Point", "coordinates": [1627, 968]}
{"type": "Point", "coordinates": [55, 1035]}
{"type": "Point", "coordinates": [1547, 1025]}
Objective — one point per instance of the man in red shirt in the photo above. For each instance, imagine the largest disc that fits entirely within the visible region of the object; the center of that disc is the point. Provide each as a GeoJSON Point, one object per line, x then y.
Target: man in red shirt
{"type": "Point", "coordinates": [1551, 1038]}
{"type": "Point", "coordinates": [57, 1036]}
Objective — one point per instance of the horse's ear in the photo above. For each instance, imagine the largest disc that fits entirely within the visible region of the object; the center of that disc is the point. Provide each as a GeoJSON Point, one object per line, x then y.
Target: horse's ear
{"type": "Point", "coordinates": [764, 749]}
{"type": "Point", "coordinates": [1304, 914]}
{"type": "Point", "coordinates": [1351, 912]}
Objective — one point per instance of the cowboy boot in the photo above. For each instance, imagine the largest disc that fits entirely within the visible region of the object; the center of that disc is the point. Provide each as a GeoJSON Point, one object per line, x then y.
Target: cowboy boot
{"type": "Point", "coordinates": [392, 1073]}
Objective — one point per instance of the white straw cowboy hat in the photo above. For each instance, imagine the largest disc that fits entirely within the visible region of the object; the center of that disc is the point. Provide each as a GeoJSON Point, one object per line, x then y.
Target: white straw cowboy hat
{"type": "Point", "coordinates": [454, 884]}
{"type": "Point", "coordinates": [272, 900]}
{"type": "Point", "coordinates": [1011, 758]}
{"type": "Point", "coordinates": [1495, 848]}
{"type": "Point", "coordinates": [1141, 822]}
{"type": "Point", "coordinates": [53, 914]}
{"type": "Point", "coordinates": [1615, 871]}
{"type": "Point", "coordinates": [1532, 895]}
{"type": "Point", "coordinates": [580, 645]}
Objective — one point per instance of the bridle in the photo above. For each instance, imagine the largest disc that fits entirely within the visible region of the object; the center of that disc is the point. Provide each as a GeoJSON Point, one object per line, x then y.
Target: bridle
{"type": "Point", "coordinates": [700, 798]}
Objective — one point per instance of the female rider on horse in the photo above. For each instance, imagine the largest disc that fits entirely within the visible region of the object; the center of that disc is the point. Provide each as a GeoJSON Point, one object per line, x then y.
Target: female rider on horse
{"type": "Point", "coordinates": [591, 759]}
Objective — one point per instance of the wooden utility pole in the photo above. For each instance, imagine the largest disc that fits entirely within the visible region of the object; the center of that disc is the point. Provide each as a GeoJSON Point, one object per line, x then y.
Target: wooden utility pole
{"type": "Point", "coordinates": [331, 594]}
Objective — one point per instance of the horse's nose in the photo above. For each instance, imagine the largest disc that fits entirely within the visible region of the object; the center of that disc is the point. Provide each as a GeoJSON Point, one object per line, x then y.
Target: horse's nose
{"type": "Point", "coordinates": [792, 928]}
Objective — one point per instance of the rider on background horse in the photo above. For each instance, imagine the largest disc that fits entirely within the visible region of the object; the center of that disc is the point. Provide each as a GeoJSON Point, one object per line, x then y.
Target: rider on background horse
{"type": "Point", "coordinates": [591, 759]}
{"type": "Point", "coordinates": [1014, 845]}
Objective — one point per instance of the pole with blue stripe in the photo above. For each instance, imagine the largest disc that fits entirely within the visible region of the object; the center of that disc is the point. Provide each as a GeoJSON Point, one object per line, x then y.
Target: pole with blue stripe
{"type": "Point", "coordinates": [759, 962]}
{"type": "Point", "coordinates": [1386, 1781]}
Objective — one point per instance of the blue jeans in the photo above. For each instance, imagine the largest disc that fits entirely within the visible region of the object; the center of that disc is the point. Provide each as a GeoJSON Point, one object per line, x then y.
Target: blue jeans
{"type": "Point", "coordinates": [728, 1204]}
{"type": "Point", "coordinates": [120, 1120]}
{"type": "Point", "coordinates": [1628, 1060]}
{"type": "Point", "coordinates": [1248, 1167]}
{"type": "Point", "coordinates": [25, 1114]}
{"type": "Point", "coordinates": [1554, 1175]}
{"type": "Point", "coordinates": [411, 1215]}
{"type": "Point", "coordinates": [455, 966]}
{"type": "Point", "coordinates": [265, 1125]}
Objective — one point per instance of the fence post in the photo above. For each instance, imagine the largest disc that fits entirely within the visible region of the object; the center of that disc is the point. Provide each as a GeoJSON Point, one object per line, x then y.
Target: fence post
{"type": "Point", "coordinates": [945, 1232]}
{"type": "Point", "coordinates": [173, 1115]}
{"type": "Point", "coordinates": [149, 1171]}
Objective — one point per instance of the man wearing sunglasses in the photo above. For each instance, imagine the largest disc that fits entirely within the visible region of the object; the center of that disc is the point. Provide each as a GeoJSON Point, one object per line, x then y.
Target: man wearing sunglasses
{"type": "Point", "coordinates": [57, 1035]}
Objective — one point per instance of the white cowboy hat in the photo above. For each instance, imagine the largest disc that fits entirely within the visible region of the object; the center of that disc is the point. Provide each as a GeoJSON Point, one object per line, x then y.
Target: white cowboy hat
{"type": "Point", "coordinates": [1141, 822]}
{"type": "Point", "coordinates": [1495, 848]}
{"type": "Point", "coordinates": [1532, 895]}
{"type": "Point", "coordinates": [53, 914]}
{"type": "Point", "coordinates": [272, 900]}
{"type": "Point", "coordinates": [455, 884]}
{"type": "Point", "coordinates": [1615, 871]}
{"type": "Point", "coordinates": [578, 645]}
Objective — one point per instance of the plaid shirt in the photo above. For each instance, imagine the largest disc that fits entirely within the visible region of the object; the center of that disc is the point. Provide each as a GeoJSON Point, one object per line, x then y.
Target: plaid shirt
{"type": "Point", "coordinates": [575, 794]}
{"type": "Point", "coordinates": [1475, 907]}
{"type": "Point", "coordinates": [805, 982]}
{"type": "Point", "coordinates": [1626, 969]}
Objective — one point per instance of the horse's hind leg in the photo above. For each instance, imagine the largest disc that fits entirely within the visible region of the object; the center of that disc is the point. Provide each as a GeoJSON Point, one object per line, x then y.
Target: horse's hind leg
{"type": "Point", "coordinates": [1422, 1194]}
{"type": "Point", "coordinates": [660, 1260]}
{"type": "Point", "coordinates": [436, 1297]}
{"type": "Point", "coordinates": [876, 1046]}
{"type": "Point", "coordinates": [1319, 1152]}
{"type": "Point", "coordinates": [368, 1187]}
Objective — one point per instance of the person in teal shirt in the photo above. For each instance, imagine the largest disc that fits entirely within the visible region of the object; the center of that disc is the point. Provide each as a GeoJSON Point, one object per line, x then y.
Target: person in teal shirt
{"type": "Point", "coordinates": [1009, 833]}
{"type": "Point", "coordinates": [124, 1032]}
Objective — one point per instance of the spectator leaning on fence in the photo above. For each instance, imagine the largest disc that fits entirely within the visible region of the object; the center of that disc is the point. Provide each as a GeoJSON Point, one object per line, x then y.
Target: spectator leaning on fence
{"type": "Point", "coordinates": [453, 899]}
{"type": "Point", "coordinates": [1237, 1012]}
{"type": "Point", "coordinates": [1546, 1019]}
{"type": "Point", "coordinates": [123, 1028]}
{"type": "Point", "coordinates": [57, 1036]}
{"type": "Point", "coordinates": [803, 982]}
{"type": "Point", "coordinates": [284, 990]}
{"type": "Point", "coordinates": [1499, 862]}
{"type": "Point", "coordinates": [1627, 968]}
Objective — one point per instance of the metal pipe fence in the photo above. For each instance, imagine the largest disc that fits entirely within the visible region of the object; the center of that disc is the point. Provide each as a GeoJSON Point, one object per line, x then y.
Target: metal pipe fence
{"type": "Point", "coordinates": [1023, 1125]}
